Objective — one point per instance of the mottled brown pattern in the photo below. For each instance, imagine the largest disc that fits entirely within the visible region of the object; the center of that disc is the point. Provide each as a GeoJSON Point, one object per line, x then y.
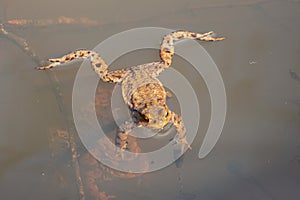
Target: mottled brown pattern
{"type": "Point", "coordinates": [142, 91]}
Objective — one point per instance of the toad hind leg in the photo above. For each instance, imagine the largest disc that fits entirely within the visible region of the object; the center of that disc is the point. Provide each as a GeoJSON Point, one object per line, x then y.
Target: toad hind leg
{"type": "Point", "coordinates": [177, 121]}
{"type": "Point", "coordinates": [98, 64]}
{"type": "Point", "coordinates": [167, 45]}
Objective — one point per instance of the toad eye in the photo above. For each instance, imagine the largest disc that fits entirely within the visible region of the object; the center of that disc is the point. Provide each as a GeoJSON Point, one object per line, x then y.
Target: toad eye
{"type": "Point", "coordinates": [166, 115]}
{"type": "Point", "coordinates": [145, 118]}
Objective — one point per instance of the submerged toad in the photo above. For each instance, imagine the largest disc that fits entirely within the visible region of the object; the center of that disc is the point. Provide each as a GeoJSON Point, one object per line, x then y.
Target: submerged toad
{"type": "Point", "coordinates": [142, 91]}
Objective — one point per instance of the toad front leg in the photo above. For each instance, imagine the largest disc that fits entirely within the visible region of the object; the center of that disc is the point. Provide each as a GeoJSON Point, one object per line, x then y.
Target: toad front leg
{"type": "Point", "coordinates": [123, 133]}
{"type": "Point", "coordinates": [180, 138]}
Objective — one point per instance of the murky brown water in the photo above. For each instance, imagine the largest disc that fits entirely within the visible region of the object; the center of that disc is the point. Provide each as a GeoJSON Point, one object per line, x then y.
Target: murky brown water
{"type": "Point", "coordinates": [258, 154]}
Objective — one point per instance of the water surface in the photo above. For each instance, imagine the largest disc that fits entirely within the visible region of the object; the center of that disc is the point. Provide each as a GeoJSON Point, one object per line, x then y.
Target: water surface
{"type": "Point", "coordinates": [258, 154]}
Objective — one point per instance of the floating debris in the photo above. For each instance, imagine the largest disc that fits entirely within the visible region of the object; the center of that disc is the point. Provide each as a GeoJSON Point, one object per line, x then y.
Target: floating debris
{"type": "Point", "coordinates": [58, 21]}
{"type": "Point", "coordinates": [294, 75]}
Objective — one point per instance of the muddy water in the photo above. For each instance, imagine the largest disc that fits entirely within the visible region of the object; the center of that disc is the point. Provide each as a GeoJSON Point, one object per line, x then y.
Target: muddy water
{"type": "Point", "coordinates": [258, 154]}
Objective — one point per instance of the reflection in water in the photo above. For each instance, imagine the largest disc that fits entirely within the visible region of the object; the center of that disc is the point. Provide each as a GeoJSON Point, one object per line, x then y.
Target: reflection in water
{"type": "Point", "coordinates": [261, 134]}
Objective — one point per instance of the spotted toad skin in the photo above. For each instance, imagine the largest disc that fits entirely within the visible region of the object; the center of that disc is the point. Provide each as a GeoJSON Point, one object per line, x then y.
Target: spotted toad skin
{"type": "Point", "coordinates": [141, 90]}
